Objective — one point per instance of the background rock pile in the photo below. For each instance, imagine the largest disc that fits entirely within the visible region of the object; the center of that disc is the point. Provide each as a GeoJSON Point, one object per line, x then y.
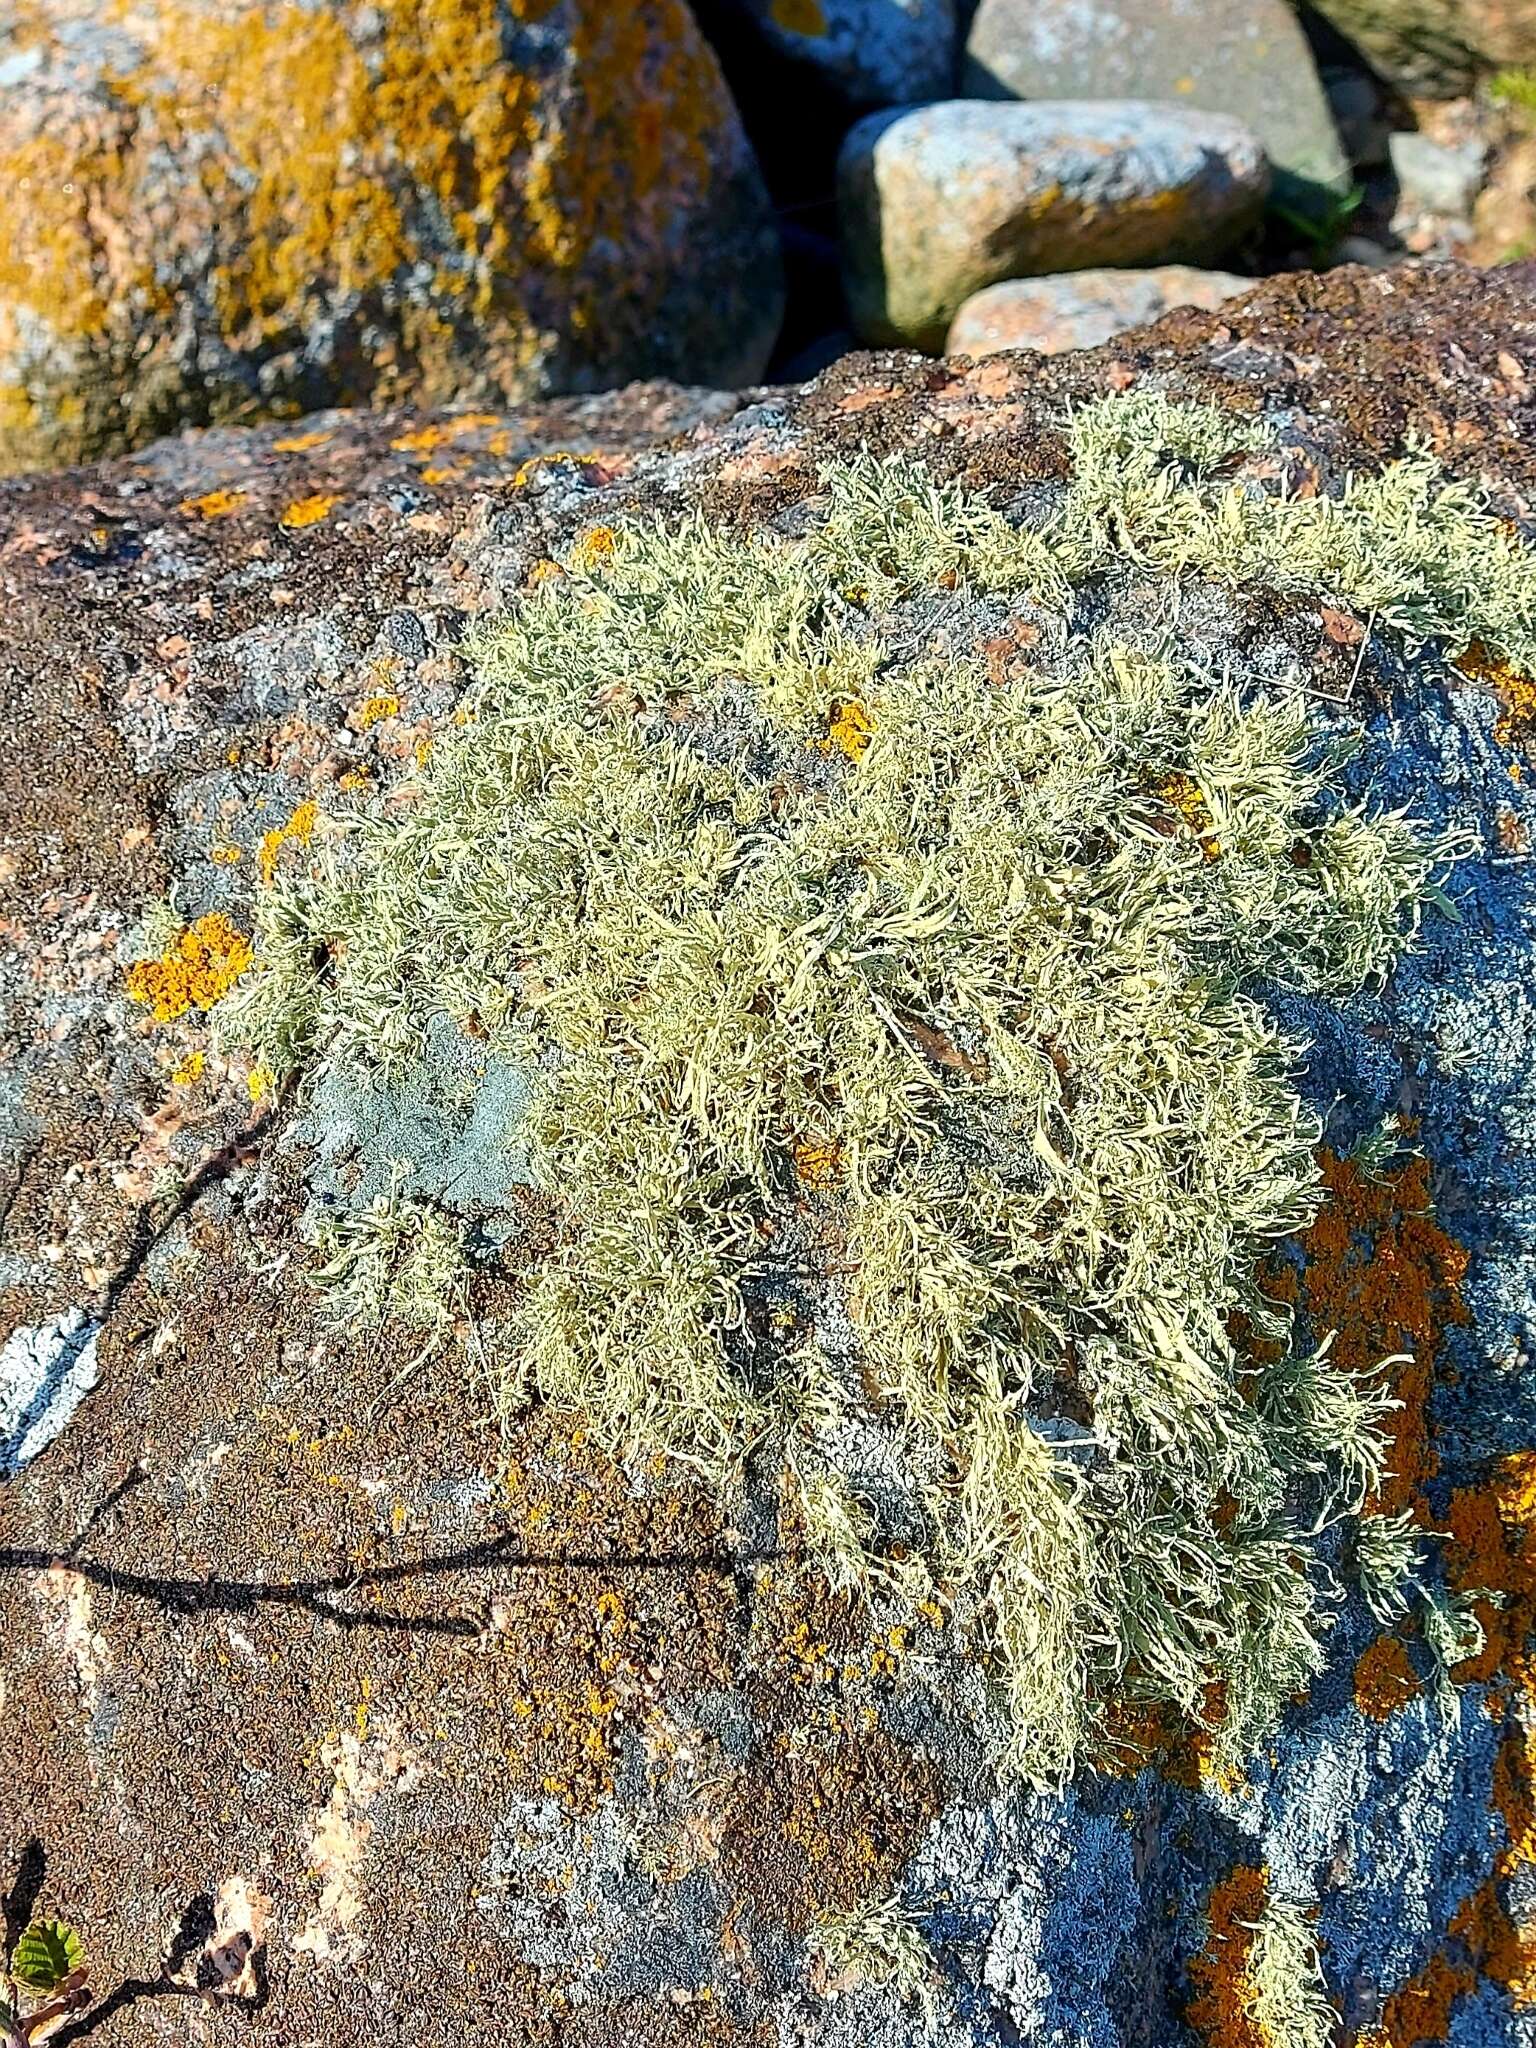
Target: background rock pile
{"type": "Point", "coordinates": [224, 212]}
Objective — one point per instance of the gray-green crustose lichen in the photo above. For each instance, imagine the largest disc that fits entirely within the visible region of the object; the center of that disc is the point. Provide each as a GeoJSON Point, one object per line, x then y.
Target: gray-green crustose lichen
{"type": "Point", "coordinates": [891, 1036]}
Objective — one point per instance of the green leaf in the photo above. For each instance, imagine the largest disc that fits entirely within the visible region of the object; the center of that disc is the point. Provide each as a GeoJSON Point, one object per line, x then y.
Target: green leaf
{"type": "Point", "coordinates": [46, 1954]}
{"type": "Point", "coordinates": [7, 2012]}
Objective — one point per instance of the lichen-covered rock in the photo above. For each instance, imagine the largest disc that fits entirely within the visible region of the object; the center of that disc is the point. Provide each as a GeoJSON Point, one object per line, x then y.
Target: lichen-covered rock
{"type": "Point", "coordinates": [1083, 308]}
{"type": "Point", "coordinates": [343, 1679]}
{"type": "Point", "coordinates": [1244, 58]}
{"type": "Point", "coordinates": [875, 53]}
{"type": "Point", "coordinates": [1438, 47]}
{"type": "Point", "coordinates": [937, 202]}
{"type": "Point", "coordinates": [214, 212]}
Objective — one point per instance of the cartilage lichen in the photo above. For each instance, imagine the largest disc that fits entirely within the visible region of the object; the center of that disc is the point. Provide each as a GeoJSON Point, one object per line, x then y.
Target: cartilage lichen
{"type": "Point", "coordinates": [907, 1067]}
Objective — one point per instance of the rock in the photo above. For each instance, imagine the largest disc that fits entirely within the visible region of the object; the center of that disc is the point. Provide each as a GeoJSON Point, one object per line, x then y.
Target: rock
{"type": "Point", "coordinates": [1083, 308]}
{"type": "Point", "coordinates": [1357, 102]}
{"type": "Point", "coordinates": [937, 202]}
{"type": "Point", "coordinates": [218, 211]}
{"type": "Point", "coordinates": [1246, 59]}
{"type": "Point", "coordinates": [875, 53]}
{"type": "Point", "coordinates": [332, 1697]}
{"type": "Point", "coordinates": [1432, 177]}
{"type": "Point", "coordinates": [1438, 47]}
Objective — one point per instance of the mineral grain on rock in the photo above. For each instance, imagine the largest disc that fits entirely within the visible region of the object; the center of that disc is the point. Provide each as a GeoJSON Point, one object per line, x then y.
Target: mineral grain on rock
{"type": "Point", "coordinates": [1245, 58]}
{"type": "Point", "coordinates": [768, 1236]}
{"type": "Point", "coordinates": [1083, 308]}
{"type": "Point", "coordinates": [875, 53]}
{"type": "Point", "coordinates": [935, 203]}
{"type": "Point", "coordinates": [222, 211]}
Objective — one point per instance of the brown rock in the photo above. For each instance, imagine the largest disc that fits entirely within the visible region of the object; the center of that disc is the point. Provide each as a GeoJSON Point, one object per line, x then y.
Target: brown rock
{"type": "Point", "coordinates": [1438, 47]}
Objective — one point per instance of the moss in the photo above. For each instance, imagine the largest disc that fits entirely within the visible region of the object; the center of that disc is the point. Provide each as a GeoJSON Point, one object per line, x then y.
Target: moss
{"type": "Point", "coordinates": [985, 971]}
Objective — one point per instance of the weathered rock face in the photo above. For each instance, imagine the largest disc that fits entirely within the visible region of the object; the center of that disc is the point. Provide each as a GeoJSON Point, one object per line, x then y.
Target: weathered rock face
{"type": "Point", "coordinates": [1083, 308]}
{"type": "Point", "coordinates": [937, 202]}
{"type": "Point", "coordinates": [326, 1698]}
{"type": "Point", "coordinates": [1244, 58]}
{"type": "Point", "coordinates": [1438, 46]}
{"type": "Point", "coordinates": [873, 52]}
{"type": "Point", "coordinates": [214, 213]}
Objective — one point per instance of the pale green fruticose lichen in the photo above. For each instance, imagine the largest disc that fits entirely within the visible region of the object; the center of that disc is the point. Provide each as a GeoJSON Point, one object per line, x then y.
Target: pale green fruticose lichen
{"type": "Point", "coordinates": [895, 1052]}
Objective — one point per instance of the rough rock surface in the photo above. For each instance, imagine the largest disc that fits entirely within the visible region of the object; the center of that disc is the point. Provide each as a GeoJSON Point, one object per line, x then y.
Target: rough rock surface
{"type": "Point", "coordinates": [876, 53]}
{"type": "Point", "coordinates": [937, 202]}
{"type": "Point", "coordinates": [1083, 308]}
{"type": "Point", "coordinates": [1438, 47]}
{"type": "Point", "coordinates": [213, 212]}
{"type": "Point", "coordinates": [328, 1707]}
{"type": "Point", "coordinates": [1244, 58]}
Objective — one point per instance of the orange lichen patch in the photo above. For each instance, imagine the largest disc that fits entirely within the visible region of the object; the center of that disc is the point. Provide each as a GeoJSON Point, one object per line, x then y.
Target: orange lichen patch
{"type": "Point", "coordinates": [424, 440]}
{"type": "Point", "coordinates": [1490, 1553]}
{"type": "Point", "coordinates": [226, 854]}
{"type": "Point", "coordinates": [190, 1069]}
{"type": "Point", "coordinates": [1186, 799]}
{"type": "Point", "coordinates": [1379, 1272]}
{"type": "Point", "coordinates": [1222, 2008]}
{"type": "Point", "coordinates": [1385, 1679]}
{"type": "Point", "coordinates": [1418, 2014]}
{"type": "Point", "coordinates": [1514, 688]}
{"type": "Point", "coordinates": [383, 704]}
{"type": "Point", "coordinates": [594, 546]}
{"type": "Point", "coordinates": [298, 831]}
{"type": "Point", "coordinates": [297, 444]}
{"type": "Point", "coordinates": [817, 1165]}
{"type": "Point", "coordinates": [213, 504]}
{"type": "Point", "coordinates": [197, 968]}
{"type": "Point", "coordinates": [260, 1083]}
{"type": "Point", "coordinates": [849, 730]}
{"type": "Point", "coordinates": [309, 511]}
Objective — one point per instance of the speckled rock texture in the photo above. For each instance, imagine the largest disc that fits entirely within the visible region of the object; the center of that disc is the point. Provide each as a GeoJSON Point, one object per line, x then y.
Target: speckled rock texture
{"type": "Point", "coordinates": [334, 1715]}
{"type": "Point", "coordinates": [937, 202]}
{"type": "Point", "coordinates": [1437, 47]}
{"type": "Point", "coordinates": [875, 53]}
{"type": "Point", "coordinates": [215, 212]}
{"type": "Point", "coordinates": [1245, 58]}
{"type": "Point", "coordinates": [1083, 308]}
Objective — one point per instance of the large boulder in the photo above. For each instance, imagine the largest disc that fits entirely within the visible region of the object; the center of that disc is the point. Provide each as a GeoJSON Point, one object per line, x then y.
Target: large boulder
{"type": "Point", "coordinates": [1245, 58]}
{"type": "Point", "coordinates": [219, 211]}
{"type": "Point", "coordinates": [470, 1566]}
{"type": "Point", "coordinates": [937, 202]}
{"type": "Point", "coordinates": [1438, 47]}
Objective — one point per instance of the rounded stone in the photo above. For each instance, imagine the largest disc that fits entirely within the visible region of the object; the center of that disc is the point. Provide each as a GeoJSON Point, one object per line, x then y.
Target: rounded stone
{"type": "Point", "coordinates": [216, 209]}
{"type": "Point", "coordinates": [938, 202]}
{"type": "Point", "coordinates": [1083, 308]}
{"type": "Point", "coordinates": [1245, 58]}
{"type": "Point", "coordinates": [875, 53]}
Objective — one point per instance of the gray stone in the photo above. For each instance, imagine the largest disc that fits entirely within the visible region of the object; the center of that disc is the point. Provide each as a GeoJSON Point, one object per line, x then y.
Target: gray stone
{"type": "Point", "coordinates": [1082, 308]}
{"type": "Point", "coordinates": [1433, 177]}
{"type": "Point", "coordinates": [938, 202]}
{"type": "Point", "coordinates": [876, 53]}
{"type": "Point", "coordinates": [1244, 58]}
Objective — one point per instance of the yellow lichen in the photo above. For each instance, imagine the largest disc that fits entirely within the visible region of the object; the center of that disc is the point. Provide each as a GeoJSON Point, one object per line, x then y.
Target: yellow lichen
{"type": "Point", "coordinates": [382, 704]}
{"type": "Point", "coordinates": [194, 971]}
{"type": "Point", "coordinates": [1385, 1678]}
{"type": "Point", "coordinates": [849, 730]}
{"type": "Point", "coordinates": [594, 546]}
{"type": "Point", "coordinates": [816, 1165]}
{"type": "Point", "coordinates": [217, 504]}
{"type": "Point", "coordinates": [309, 511]}
{"type": "Point", "coordinates": [1184, 796]}
{"type": "Point", "coordinates": [298, 831]}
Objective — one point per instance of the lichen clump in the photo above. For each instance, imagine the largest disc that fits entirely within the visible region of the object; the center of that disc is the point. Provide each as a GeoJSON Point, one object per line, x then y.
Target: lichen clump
{"type": "Point", "coordinates": [197, 969]}
{"type": "Point", "coordinates": [903, 1075]}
